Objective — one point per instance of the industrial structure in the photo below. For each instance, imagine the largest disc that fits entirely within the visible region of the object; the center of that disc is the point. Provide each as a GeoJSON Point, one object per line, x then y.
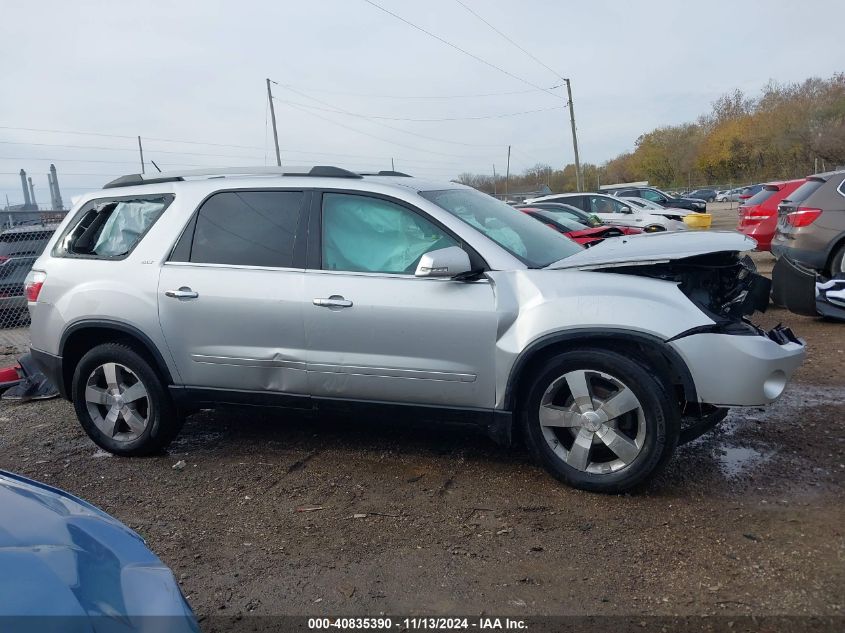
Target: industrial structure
{"type": "Point", "coordinates": [29, 211]}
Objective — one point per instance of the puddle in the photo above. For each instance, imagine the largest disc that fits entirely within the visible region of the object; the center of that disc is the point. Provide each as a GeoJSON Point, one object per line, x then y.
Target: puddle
{"type": "Point", "coordinates": [736, 460]}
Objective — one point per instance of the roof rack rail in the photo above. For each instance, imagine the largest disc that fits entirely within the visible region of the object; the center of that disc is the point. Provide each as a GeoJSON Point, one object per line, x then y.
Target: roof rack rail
{"type": "Point", "coordinates": [324, 171]}
{"type": "Point", "coordinates": [386, 172]}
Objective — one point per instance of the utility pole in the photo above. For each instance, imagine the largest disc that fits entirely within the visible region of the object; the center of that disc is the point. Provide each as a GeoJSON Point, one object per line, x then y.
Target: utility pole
{"type": "Point", "coordinates": [574, 137]}
{"type": "Point", "coordinates": [392, 165]}
{"type": "Point", "coordinates": [273, 117]}
{"type": "Point", "coordinates": [141, 151]}
{"type": "Point", "coordinates": [508, 173]}
{"type": "Point", "coordinates": [494, 179]}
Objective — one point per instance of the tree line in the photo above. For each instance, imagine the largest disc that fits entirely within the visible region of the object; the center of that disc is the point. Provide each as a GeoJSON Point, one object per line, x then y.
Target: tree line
{"type": "Point", "coordinates": [788, 131]}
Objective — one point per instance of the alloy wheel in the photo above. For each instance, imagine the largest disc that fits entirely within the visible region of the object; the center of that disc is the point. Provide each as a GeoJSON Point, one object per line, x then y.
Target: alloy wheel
{"type": "Point", "coordinates": [592, 421]}
{"type": "Point", "coordinates": [118, 402]}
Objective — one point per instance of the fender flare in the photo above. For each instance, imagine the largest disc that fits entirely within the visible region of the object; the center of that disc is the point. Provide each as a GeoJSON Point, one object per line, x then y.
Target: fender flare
{"type": "Point", "coordinates": [124, 328]}
{"type": "Point", "coordinates": [673, 358]}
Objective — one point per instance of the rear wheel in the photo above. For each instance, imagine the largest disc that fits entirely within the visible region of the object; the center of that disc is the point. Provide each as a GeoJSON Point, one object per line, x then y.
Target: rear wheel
{"type": "Point", "coordinates": [121, 402]}
{"type": "Point", "coordinates": [599, 421]}
{"type": "Point", "coordinates": [837, 262]}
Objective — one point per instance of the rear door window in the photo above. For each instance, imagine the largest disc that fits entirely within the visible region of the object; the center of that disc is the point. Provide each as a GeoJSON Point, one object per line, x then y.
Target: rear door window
{"type": "Point", "coordinates": [111, 228]}
{"type": "Point", "coordinates": [246, 228]}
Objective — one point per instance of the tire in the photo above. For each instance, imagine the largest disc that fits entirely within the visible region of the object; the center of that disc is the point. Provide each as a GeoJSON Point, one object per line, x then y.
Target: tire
{"type": "Point", "coordinates": [142, 420]}
{"type": "Point", "coordinates": [837, 262]}
{"type": "Point", "coordinates": [649, 431]}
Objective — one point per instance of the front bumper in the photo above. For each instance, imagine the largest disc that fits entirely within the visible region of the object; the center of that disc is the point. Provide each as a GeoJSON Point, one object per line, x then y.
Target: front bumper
{"type": "Point", "coordinates": [739, 370]}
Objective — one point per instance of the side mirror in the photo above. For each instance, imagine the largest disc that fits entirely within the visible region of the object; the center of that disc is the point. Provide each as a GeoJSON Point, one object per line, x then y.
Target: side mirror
{"type": "Point", "coordinates": [626, 210]}
{"type": "Point", "coordinates": [444, 262]}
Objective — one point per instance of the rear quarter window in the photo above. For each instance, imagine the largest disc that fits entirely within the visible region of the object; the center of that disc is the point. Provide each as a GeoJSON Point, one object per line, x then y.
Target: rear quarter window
{"type": "Point", "coordinates": [805, 191]}
{"type": "Point", "coordinates": [110, 228]}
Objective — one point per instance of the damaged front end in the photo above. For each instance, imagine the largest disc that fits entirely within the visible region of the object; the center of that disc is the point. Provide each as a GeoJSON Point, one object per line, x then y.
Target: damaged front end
{"type": "Point", "coordinates": [725, 285]}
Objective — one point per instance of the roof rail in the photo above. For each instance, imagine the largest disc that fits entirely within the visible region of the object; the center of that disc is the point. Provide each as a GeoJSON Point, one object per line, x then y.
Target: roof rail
{"type": "Point", "coordinates": [325, 171]}
{"type": "Point", "coordinates": [387, 172]}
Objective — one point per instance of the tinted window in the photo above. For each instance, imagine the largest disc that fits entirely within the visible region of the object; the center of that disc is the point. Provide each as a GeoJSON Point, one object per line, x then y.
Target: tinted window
{"type": "Point", "coordinates": [576, 201]}
{"type": "Point", "coordinates": [649, 194]}
{"type": "Point", "coordinates": [760, 197]}
{"type": "Point", "coordinates": [363, 234]}
{"type": "Point", "coordinates": [247, 228]}
{"type": "Point", "coordinates": [511, 229]}
{"type": "Point", "coordinates": [110, 228]}
{"type": "Point", "coordinates": [805, 191]}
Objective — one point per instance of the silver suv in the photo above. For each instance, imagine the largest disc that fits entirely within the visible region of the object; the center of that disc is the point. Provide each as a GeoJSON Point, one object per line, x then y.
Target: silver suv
{"type": "Point", "coordinates": [325, 289]}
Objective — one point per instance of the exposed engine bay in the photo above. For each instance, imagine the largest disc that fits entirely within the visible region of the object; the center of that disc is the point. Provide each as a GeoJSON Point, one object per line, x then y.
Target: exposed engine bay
{"type": "Point", "coordinates": [724, 285]}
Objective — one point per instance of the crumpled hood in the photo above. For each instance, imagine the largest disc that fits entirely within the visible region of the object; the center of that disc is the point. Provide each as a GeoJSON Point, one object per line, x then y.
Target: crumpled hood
{"type": "Point", "coordinates": [61, 556]}
{"type": "Point", "coordinates": [649, 248]}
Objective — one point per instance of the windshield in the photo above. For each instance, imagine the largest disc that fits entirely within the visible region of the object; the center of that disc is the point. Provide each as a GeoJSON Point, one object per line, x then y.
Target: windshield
{"type": "Point", "coordinates": [519, 234]}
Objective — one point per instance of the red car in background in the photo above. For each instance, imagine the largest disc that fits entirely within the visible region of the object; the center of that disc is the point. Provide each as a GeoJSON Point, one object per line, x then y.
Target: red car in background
{"type": "Point", "coordinates": [585, 235]}
{"type": "Point", "coordinates": [758, 216]}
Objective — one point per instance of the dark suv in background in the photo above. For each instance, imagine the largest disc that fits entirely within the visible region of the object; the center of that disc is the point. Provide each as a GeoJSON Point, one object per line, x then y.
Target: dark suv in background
{"type": "Point", "coordinates": [811, 224]}
{"type": "Point", "coordinates": [660, 197]}
{"type": "Point", "coordinates": [20, 246]}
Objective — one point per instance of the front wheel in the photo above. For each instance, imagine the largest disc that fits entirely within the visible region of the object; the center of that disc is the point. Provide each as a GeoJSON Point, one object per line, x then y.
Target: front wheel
{"type": "Point", "coordinates": [121, 403]}
{"type": "Point", "coordinates": [599, 421]}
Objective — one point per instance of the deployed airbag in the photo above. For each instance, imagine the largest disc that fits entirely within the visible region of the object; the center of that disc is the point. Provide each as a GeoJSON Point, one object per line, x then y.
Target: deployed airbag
{"type": "Point", "coordinates": [126, 223]}
{"type": "Point", "coordinates": [363, 234]}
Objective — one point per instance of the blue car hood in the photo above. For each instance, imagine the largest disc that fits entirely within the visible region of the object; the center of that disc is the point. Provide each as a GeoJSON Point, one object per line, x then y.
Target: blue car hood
{"type": "Point", "coordinates": [61, 556]}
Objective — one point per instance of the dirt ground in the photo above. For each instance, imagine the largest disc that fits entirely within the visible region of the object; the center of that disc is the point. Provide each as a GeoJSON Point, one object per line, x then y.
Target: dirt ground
{"type": "Point", "coordinates": [288, 514]}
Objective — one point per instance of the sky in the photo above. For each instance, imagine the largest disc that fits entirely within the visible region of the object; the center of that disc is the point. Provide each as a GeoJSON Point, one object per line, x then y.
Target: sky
{"type": "Point", "coordinates": [189, 78]}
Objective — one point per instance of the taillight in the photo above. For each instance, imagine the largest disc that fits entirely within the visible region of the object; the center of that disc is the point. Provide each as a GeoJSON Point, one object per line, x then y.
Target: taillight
{"type": "Point", "coordinates": [802, 216]}
{"type": "Point", "coordinates": [33, 284]}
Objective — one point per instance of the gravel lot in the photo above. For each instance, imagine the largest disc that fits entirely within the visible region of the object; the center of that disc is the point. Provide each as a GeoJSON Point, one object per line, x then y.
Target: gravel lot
{"type": "Point", "coordinates": [287, 514]}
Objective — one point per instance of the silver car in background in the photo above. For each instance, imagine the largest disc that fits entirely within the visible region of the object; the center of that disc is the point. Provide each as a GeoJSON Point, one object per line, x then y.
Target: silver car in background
{"type": "Point", "coordinates": [620, 212]}
{"type": "Point", "coordinates": [324, 289]}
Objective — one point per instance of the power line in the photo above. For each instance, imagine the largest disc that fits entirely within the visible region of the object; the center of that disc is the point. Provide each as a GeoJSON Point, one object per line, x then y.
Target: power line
{"type": "Point", "coordinates": [125, 136]}
{"type": "Point", "coordinates": [429, 97]}
{"type": "Point", "coordinates": [418, 120]}
{"type": "Point", "coordinates": [390, 127]}
{"type": "Point", "coordinates": [357, 131]}
{"type": "Point", "coordinates": [578, 181]}
{"type": "Point", "coordinates": [547, 67]}
{"type": "Point", "coordinates": [146, 138]}
{"type": "Point", "coordinates": [459, 49]}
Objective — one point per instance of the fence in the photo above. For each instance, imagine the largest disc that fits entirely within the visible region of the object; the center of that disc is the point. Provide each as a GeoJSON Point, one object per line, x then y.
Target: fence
{"type": "Point", "coordinates": [20, 246]}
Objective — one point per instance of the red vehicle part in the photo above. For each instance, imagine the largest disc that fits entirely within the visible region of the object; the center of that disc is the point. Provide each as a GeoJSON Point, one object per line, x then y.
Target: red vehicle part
{"type": "Point", "coordinates": [758, 216]}
{"type": "Point", "coordinates": [584, 235]}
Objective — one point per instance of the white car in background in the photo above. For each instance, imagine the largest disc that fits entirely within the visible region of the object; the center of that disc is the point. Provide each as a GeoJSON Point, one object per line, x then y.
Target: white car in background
{"type": "Point", "coordinates": [622, 211]}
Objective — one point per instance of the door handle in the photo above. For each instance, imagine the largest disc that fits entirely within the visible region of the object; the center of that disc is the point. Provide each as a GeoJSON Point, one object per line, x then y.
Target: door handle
{"type": "Point", "coordinates": [335, 301]}
{"type": "Point", "coordinates": [183, 293]}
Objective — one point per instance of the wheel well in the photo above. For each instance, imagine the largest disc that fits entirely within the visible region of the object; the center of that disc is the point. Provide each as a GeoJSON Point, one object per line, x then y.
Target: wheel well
{"type": "Point", "coordinates": [80, 341]}
{"type": "Point", "coordinates": [653, 354]}
{"type": "Point", "coordinates": [833, 251]}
